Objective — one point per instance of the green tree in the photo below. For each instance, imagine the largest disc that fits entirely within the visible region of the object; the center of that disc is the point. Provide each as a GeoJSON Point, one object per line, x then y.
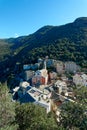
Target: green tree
{"type": "Point", "coordinates": [7, 109]}
{"type": "Point", "coordinates": [30, 117]}
{"type": "Point", "coordinates": [74, 115]}
{"type": "Point", "coordinates": [81, 94]}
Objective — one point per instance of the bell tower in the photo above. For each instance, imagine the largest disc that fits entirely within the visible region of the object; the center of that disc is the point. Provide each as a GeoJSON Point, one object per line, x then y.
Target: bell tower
{"type": "Point", "coordinates": [44, 66]}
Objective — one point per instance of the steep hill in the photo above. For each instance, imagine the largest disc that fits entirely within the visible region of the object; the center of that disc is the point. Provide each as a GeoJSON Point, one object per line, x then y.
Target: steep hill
{"type": "Point", "coordinates": [4, 50]}
{"type": "Point", "coordinates": [65, 42]}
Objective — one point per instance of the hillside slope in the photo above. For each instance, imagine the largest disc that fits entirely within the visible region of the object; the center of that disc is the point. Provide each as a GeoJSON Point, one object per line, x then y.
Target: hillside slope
{"type": "Point", "coordinates": [65, 42]}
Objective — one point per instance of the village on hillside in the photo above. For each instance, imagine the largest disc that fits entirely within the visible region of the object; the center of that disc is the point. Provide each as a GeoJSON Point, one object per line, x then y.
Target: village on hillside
{"type": "Point", "coordinates": [49, 83]}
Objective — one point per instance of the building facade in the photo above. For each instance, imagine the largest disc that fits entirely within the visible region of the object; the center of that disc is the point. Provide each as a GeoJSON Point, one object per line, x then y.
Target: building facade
{"type": "Point", "coordinates": [60, 68]}
{"type": "Point", "coordinates": [80, 79]}
{"type": "Point", "coordinates": [71, 67]}
{"type": "Point", "coordinates": [40, 77]}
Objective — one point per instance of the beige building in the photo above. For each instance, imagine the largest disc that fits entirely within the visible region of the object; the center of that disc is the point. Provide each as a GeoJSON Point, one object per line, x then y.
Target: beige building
{"type": "Point", "coordinates": [52, 75]}
{"type": "Point", "coordinates": [28, 74]}
{"type": "Point", "coordinates": [80, 79]}
{"type": "Point", "coordinates": [40, 77]}
{"type": "Point", "coordinates": [61, 86]}
{"type": "Point", "coordinates": [60, 67]}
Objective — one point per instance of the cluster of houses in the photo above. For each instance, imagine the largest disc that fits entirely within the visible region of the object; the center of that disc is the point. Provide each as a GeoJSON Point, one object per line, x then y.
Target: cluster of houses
{"type": "Point", "coordinates": [49, 89]}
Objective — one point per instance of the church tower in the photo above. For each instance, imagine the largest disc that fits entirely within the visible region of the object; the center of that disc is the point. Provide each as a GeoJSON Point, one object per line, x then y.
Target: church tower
{"type": "Point", "coordinates": [44, 66]}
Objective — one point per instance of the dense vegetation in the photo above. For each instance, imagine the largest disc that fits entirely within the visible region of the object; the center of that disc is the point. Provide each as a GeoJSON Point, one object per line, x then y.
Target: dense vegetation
{"type": "Point", "coordinates": [67, 42]}
{"type": "Point", "coordinates": [4, 50]}
{"type": "Point", "coordinates": [30, 117]}
{"type": "Point", "coordinates": [7, 109]}
{"type": "Point", "coordinates": [74, 115]}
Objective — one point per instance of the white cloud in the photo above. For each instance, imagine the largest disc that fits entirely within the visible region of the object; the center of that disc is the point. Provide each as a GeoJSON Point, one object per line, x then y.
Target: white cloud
{"type": "Point", "coordinates": [16, 35]}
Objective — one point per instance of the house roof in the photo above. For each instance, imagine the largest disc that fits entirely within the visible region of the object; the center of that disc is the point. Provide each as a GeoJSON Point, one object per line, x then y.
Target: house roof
{"type": "Point", "coordinates": [27, 98]}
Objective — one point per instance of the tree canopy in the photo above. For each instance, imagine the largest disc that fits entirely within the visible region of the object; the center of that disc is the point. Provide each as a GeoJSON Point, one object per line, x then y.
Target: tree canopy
{"type": "Point", "coordinates": [30, 117]}
{"type": "Point", "coordinates": [7, 109]}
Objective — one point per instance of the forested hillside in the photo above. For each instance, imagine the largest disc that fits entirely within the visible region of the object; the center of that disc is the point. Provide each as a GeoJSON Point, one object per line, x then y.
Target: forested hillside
{"type": "Point", "coordinates": [65, 42]}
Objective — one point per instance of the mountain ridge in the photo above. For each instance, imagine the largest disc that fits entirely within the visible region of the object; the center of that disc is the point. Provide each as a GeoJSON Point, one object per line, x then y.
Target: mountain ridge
{"type": "Point", "coordinates": [64, 42]}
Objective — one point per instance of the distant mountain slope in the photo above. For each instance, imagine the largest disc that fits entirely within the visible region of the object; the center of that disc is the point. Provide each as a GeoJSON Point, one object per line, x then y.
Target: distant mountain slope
{"type": "Point", "coordinates": [4, 50]}
{"type": "Point", "coordinates": [65, 42]}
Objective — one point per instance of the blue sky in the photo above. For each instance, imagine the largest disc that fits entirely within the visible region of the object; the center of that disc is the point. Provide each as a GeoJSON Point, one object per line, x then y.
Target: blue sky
{"type": "Point", "coordinates": [24, 17]}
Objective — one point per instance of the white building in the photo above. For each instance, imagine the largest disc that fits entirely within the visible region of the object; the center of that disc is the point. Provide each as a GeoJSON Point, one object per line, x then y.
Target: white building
{"type": "Point", "coordinates": [71, 67]}
{"type": "Point", "coordinates": [80, 79]}
{"type": "Point", "coordinates": [24, 84]}
{"type": "Point", "coordinates": [31, 94]}
{"type": "Point", "coordinates": [61, 85]}
{"type": "Point", "coordinates": [41, 99]}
